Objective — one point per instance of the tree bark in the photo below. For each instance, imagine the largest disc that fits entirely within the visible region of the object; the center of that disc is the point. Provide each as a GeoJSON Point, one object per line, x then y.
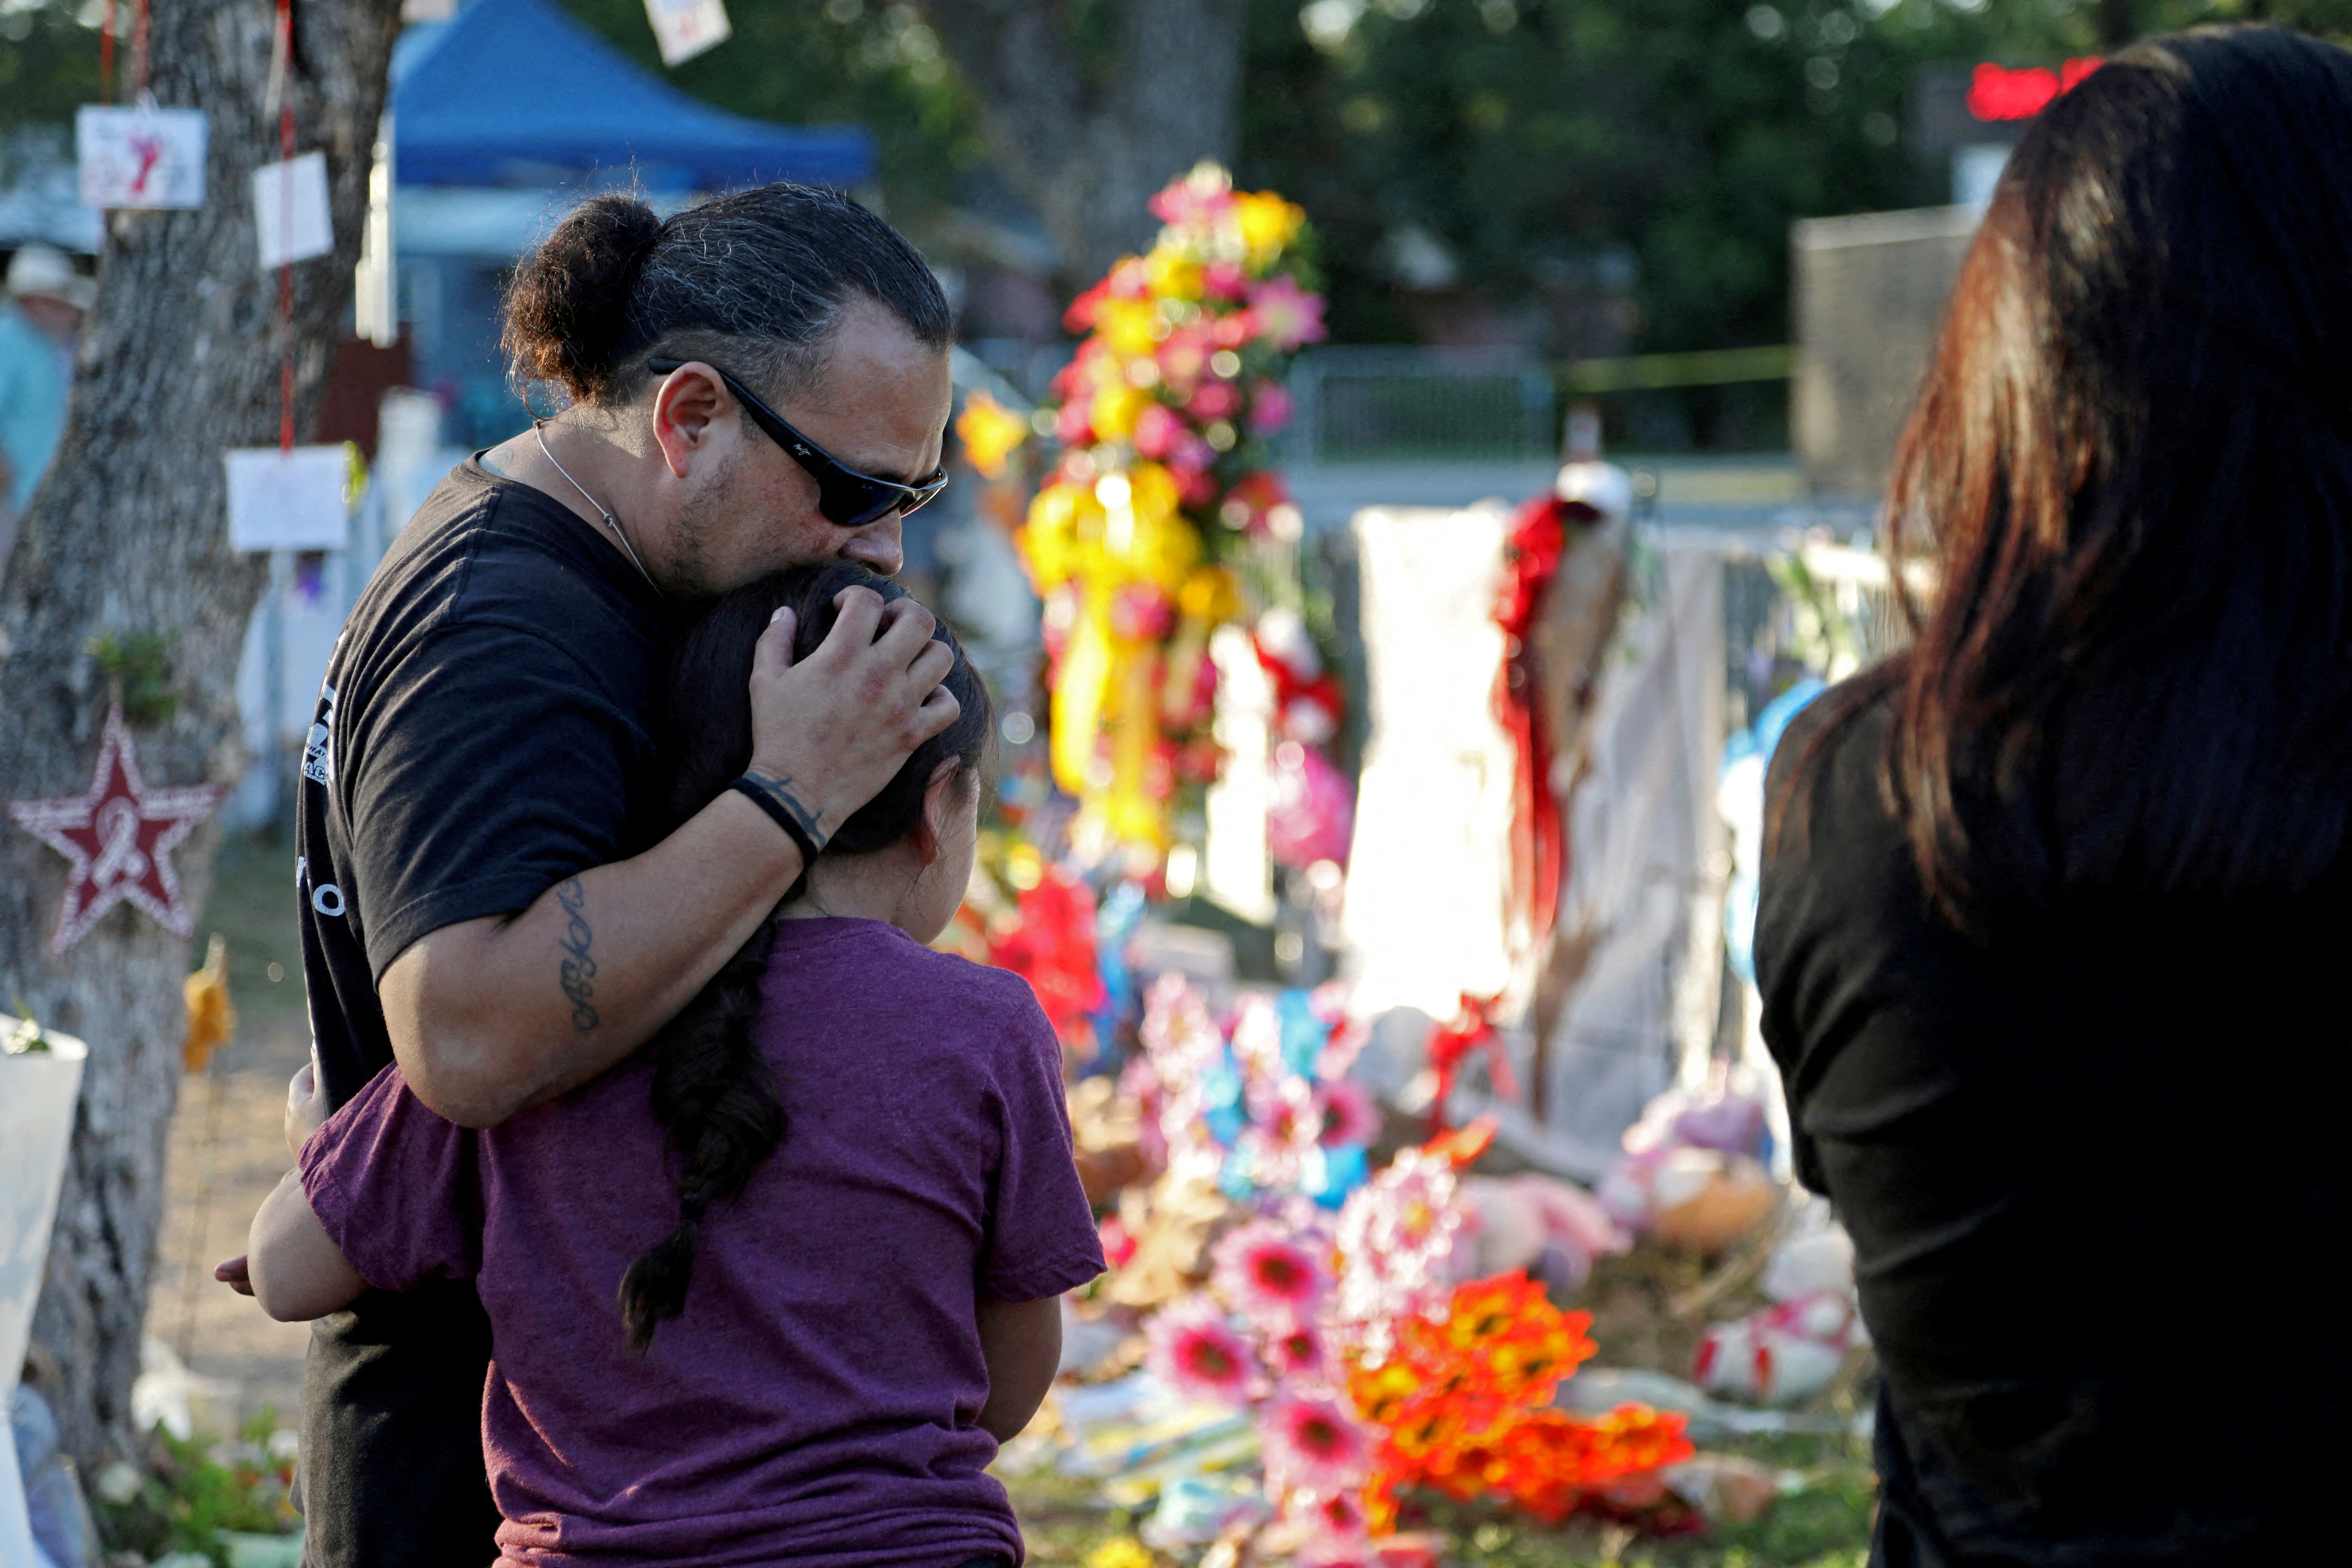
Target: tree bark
{"type": "Point", "coordinates": [1089, 147]}
{"type": "Point", "coordinates": [179, 360]}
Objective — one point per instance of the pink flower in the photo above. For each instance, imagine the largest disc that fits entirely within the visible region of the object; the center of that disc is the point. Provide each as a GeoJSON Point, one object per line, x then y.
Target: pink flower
{"type": "Point", "coordinates": [1313, 1444]}
{"type": "Point", "coordinates": [1294, 1350]}
{"type": "Point", "coordinates": [1260, 1270]}
{"type": "Point", "coordinates": [1189, 458]}
{"type": "Point", "coordinates": [1270, 408]}
{"type": "Point", "coordinates": [1332, 1523]}
{"type": "Point", "coordinates": [1128, 279]}
{"type": "Point", "coordinates": [1214, 400]}
{"type": "Point", "coordinates": [1184, 356]}
{"type": "Point", "coordinates": [1157, 432]}
{"type": "Point", "coordinates": [1142, 612]}
{"type": "Point", "coordinates": [1287, 314]}
{"type": "Point", "coordinates": [1350, 1114]}
{"type": "Point", "coordinates": [1203, 196]}
{"type": "Point", "coordinates": [1195, 1352]}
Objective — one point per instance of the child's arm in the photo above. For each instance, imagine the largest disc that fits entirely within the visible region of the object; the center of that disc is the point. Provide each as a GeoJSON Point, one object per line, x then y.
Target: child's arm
{"type": "Point", "coordinates": [1022, 1342]}
{"type": "Point", "coordinates": [298, 1271]}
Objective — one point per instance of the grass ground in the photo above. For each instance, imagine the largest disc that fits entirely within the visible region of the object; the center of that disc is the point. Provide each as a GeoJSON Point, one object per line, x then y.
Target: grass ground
{"type": "Point", "coordinates": [1823, 1523]}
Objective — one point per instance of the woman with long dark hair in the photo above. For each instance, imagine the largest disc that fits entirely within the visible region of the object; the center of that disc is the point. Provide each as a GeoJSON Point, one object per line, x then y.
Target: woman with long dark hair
{"type": "Point", "coordinates": [771, 1291]}
{"type": "Point", "coordinates": [2054, 902]}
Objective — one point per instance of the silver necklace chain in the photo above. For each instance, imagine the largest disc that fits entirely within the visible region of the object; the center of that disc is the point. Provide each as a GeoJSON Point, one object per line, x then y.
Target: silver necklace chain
{"type": "Point", "coordinates": [611, 521]}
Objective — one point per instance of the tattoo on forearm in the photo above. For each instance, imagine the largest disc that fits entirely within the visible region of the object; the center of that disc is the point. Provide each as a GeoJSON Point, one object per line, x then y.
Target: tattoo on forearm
{"type": "Point", "coordinates": [780, 791]}
{"type": "Point", "coordinates": [579, 968]}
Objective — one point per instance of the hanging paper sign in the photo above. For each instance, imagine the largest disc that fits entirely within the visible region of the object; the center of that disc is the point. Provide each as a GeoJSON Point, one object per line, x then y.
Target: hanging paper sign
{"type": "Point", "coordinates": [289, 210]}
{"type": "Point", "coordinates": [141, 157]}
{"type": "Point", "coordinates": [685, 29]}
{"type": "Point", "coordinates": [118, 841]}
{"type": "Point", "coordinates": [288, 500]}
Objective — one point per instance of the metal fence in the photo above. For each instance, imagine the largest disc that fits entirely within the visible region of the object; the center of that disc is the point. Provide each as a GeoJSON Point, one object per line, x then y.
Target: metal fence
{"type": "Point", "coordinates": [1419, 405]}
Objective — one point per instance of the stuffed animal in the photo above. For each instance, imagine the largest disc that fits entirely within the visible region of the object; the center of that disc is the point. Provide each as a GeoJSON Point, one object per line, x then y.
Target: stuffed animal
{"type": "Point", "coordinates": [1790, 1350]}
{"type": "Point", "coordinates": [1550, 1228]}
{"type": "Point", "coordinates": [1689, 1176]}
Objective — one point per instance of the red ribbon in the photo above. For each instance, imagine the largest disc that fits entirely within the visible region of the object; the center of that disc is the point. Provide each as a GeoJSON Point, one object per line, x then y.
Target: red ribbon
{"type": "Point", "coordinates": [1324, 691]}
{"type": "Point", "coordinates": [1450, 1045]}
{"type": "Point", "coordinates": [1532, 553]}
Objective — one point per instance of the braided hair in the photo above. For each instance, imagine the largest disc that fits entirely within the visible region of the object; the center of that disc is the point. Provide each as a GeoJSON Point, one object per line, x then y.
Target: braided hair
{"type": "Point", "coordinates": [713, 1091]}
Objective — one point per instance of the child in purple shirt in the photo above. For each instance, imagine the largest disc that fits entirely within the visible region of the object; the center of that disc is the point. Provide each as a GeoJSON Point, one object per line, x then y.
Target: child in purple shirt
{"type": "Point", "coordinates": [772, 1292]}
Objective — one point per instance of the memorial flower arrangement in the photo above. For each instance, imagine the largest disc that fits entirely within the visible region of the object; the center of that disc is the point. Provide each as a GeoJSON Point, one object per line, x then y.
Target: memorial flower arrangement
{"type": "Point", "coordinates": [1333, 1317]}
{"type": "Point", "coordinates": [1163, 416]}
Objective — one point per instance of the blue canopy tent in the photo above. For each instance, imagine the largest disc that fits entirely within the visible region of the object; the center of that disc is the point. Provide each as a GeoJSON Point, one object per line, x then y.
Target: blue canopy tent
{"type": "Point", "coordinates": [512, 92]}
{"type": "Point", "coordinates": [503, 118]}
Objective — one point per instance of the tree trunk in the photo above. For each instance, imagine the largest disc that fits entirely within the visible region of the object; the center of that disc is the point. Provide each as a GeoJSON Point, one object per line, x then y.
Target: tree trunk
{"type": "Point", "coordinates": [179, 360]}
{"type": "Point", "coordinates": [1089, 147]}
{"type": "Point", "coordinates": [2118, 24]}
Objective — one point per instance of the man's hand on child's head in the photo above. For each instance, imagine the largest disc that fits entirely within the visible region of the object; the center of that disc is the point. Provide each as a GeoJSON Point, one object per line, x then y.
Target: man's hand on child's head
{"type": "Point", "coordinates": [306, 1106]}
{"type": "Point", "coordinates": [835, 728]}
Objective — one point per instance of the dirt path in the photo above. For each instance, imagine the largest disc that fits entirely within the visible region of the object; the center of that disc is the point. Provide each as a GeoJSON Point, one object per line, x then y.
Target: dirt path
{"type": "Point", "coordinates": [228, 1151]}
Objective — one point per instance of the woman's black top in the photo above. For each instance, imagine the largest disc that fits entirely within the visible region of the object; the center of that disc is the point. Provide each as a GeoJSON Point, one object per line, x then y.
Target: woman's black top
{"type": "Point", "coordinates": [2087, 1160]}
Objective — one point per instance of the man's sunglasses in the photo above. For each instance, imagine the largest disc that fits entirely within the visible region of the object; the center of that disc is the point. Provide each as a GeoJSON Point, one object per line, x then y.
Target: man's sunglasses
{"type": "Point", "coordinates": [846, 496]}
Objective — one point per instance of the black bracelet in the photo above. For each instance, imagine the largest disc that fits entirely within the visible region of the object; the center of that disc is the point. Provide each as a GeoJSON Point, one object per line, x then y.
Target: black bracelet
{"type": "Point", "coordinates": [789, 813]}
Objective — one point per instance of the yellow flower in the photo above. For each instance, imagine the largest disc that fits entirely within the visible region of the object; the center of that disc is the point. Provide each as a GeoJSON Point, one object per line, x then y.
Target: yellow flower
{"type": "Point", "coordinates": [1210, 595]}
{"type": "Point", "coordinates": [1063, 520]}
{"type": "Point", "coordinates": [1268, 223]}
{"type": "Point", "coordinates": [990, 432]}
{"type": "Point", "coordinates": [1126, 326]}
{"type": "Point", "coordinates": [1115, 410]}
{"type": "Point", "coordinates": [1158, 545]}
{"type": "Point", "coordinates": [1172, 275]}
{"type": "Point", "coordinates": [1120, 1552]}
{"type": "Point", "coordinates": [1151, 490]}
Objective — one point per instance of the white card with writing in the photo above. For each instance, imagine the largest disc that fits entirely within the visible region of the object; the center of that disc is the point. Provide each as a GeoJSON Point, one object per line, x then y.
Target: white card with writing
{"type": "Point", "coordinates": [288, 500]}
{"type": "Point", "coordinates": [685, 29]}
{"type": "Point", "coordinates": [141, 157]}
{"type": "Point", "coordinates": [289, 210]}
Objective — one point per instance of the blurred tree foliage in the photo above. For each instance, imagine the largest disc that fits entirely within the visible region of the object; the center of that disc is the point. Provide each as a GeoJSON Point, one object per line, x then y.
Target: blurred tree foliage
{"type": "Point", "coordinates": [48, 63]}
{"type": "Point", "coordinates": [1558, 148]}
{"type": "Point", "coordinates": [810, 62]}
{"type": "Point", "coordinates": [1602, 175]}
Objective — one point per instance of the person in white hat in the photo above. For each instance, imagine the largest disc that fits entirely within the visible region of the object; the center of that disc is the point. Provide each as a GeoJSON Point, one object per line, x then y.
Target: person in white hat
{"type": "Point", "coordinates": [46, 300]}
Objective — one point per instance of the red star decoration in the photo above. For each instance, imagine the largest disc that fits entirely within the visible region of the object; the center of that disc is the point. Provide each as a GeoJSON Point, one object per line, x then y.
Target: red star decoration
{"type": "Point", "coordinates": [118, 840]}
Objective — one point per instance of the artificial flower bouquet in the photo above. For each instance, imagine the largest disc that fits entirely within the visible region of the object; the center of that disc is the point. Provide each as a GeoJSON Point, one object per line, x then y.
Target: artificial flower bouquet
{"type": "Point", "coordinates": [1163, 416]}
{"type": "Point", "coordinates": [1323, 1302]}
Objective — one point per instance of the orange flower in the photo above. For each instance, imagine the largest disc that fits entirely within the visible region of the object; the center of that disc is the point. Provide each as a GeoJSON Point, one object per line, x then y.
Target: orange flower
{"type": "Point", "coordinates": [1464, 1400]}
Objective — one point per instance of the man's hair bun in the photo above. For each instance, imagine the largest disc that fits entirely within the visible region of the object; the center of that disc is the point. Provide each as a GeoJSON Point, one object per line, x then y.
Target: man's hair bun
{"type": "Point", "coordinates": [755, 280]}
{"type": "Point", "coordinates": [567, 309]}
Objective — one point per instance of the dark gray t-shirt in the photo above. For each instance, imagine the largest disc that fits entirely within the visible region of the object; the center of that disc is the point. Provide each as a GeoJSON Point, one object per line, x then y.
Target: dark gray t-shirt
{"type": "Point", "coordinates": [815, 1403]}
{"type": "Point", "coordinates": [486, 730]}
